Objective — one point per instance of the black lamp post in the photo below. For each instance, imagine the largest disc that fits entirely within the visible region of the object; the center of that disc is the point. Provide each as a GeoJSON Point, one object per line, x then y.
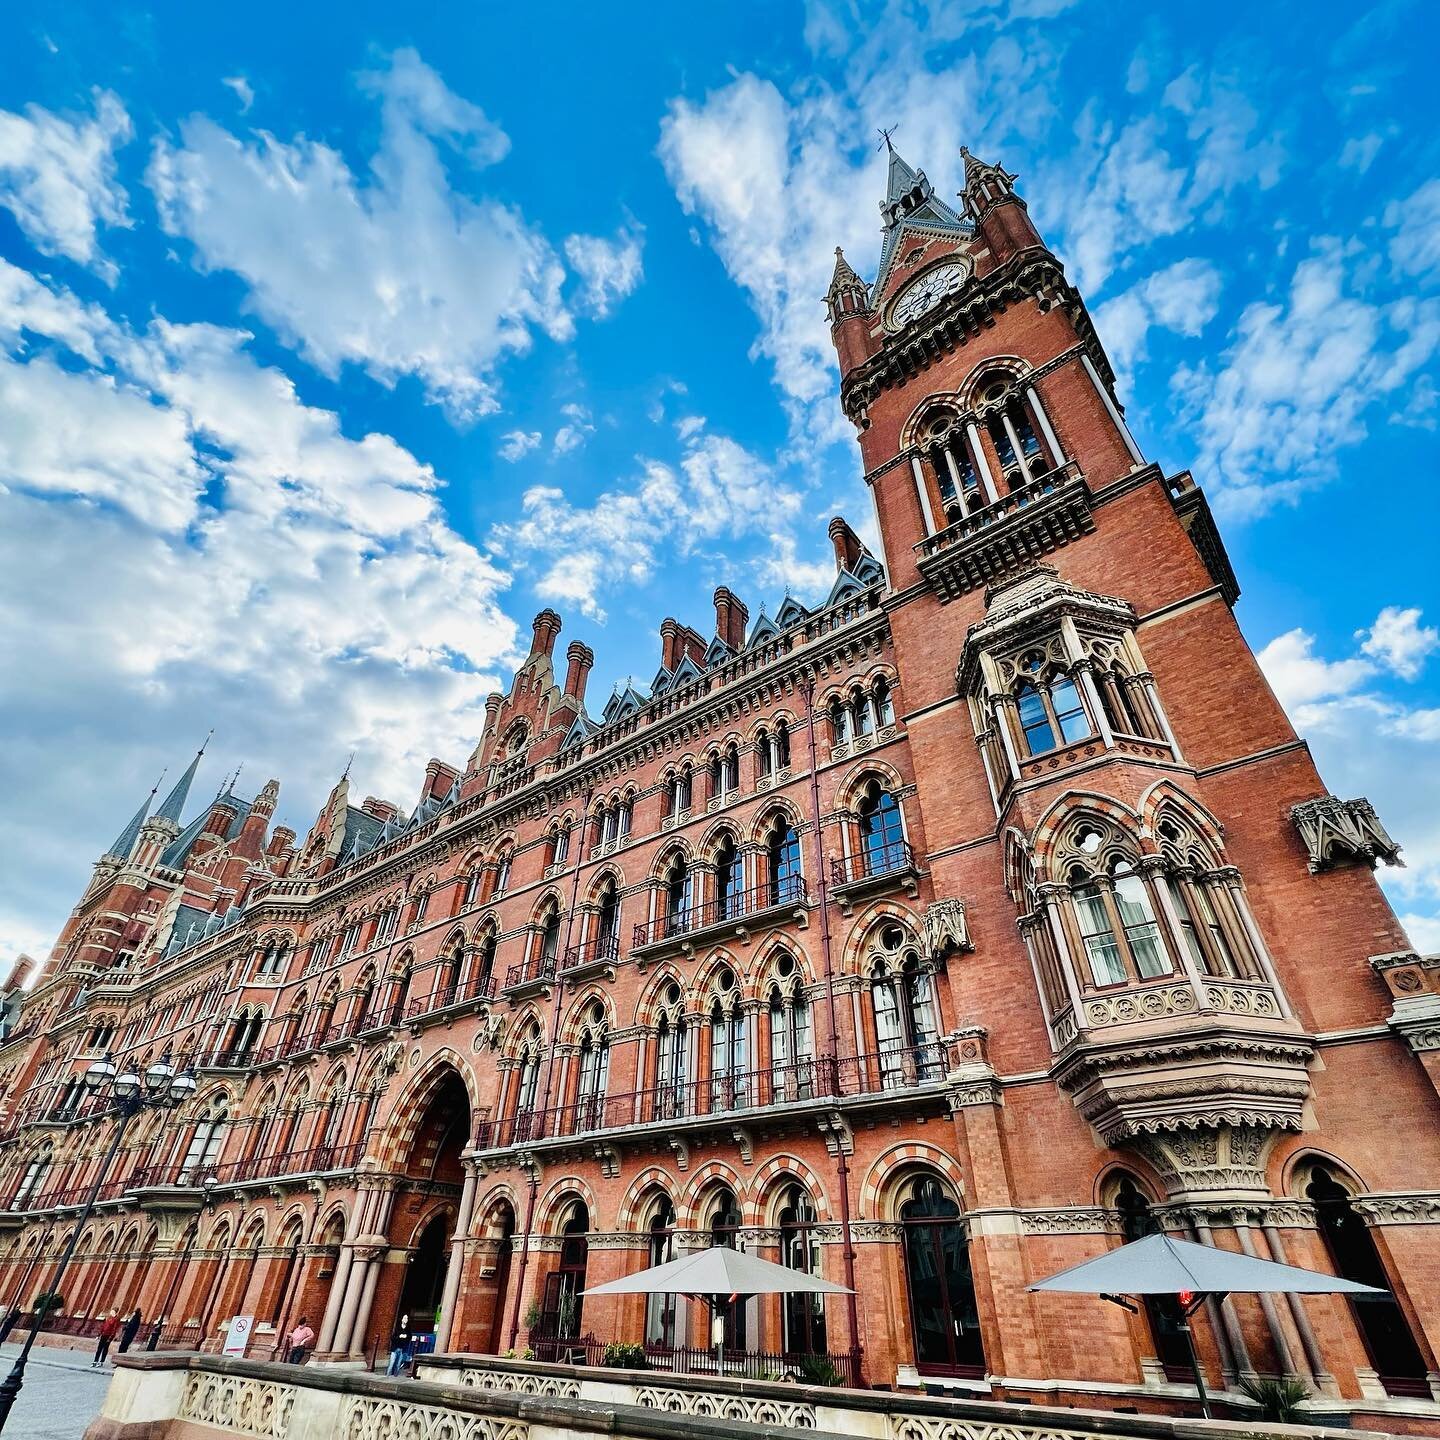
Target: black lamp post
{"type": "Point", "coordinates": [161, 1086]}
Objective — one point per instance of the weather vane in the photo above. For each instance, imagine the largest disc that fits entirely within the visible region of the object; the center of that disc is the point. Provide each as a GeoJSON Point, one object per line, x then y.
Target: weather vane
{"type": "Point", "coordinates": [885, 135]}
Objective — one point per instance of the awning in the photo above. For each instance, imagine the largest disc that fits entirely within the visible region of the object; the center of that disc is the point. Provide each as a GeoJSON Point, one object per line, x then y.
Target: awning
{"type": "Point", "coordinates": [718, 1271]}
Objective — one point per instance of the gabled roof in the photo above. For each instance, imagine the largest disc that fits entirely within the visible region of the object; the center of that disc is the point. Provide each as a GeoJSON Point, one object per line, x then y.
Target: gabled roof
{"type": "Point", "coordinates": [178, 851]}
{"type": "Point", "coordinates": [845, 586]}
{"type": "Point", "coordinates": [911, 204]}
{"type": "Point", "coordinates": [581, 728]}
{"type": "Point", "coordinates": [764, 628]}
{"type": "Point", "coordinates": [791, 612]}
{"type": "Point", "coordinates": [622, 703]}
{"type": "Point", "coordinates": [362, 833]}
{"type": "Point", "coordinates": [685, 673]}
{"type": "Point", "coordinates": [717, 652]}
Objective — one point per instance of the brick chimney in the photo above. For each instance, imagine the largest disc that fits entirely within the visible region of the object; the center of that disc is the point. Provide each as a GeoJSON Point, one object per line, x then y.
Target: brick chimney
{"type": "Point", "coordinates": [382, 810]}
{"type": "Point", "coordinates": [669, 642]}
{"type": "Point", "coordinates": [547, 627]}
{"type": "Point", "coordinates": [577, 676]}
{"type": "Point", "coordinates": [730, 618]}
{"type": "Point", "coordinates": [847, 544]}
{"type": "Point", "coordinates": [439, 777]}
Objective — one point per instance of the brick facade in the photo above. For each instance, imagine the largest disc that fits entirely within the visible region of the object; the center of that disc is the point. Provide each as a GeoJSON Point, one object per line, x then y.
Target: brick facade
{"type": "Point", "coordinates": [935, 938]}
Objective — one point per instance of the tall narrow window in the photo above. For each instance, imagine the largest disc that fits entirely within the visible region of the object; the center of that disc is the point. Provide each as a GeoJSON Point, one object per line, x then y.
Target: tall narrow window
{"type": "Point", "coordinates": [786, 880]}
{"type": "Point", "coordinates": [672, 1067]}
{"type": "Point", "coordinates": [1034, 720]}
{"type": "Point", "coordinates": [839, 722]}
{"type": "Point", "coordinates": [791, 1060]}
{"type": "Point", "coordinates": [729, 1082]}
{"type": "Point", "coordinates": [502, 873]}
{"type": "Point", "coordinates": [804, 1312]}
{"type": "Point", "coordinates": [485, 964]}
{"type": "Point", "coordinates": [763, 758]}
{"type": "Point", "coordinates": [1218, 938]}
{"type": "Point", "coordinates": [677, 897]}
{"type": "Point", "coordinates": [782, 745]}
{"type": "Point", "coordinates": [906, 1024]}
{"type": "Point", "coordinates": [725, 1222]}
{"type": "Point", "coordinates": [1102, 949]}
{"type": "Point", "coordinates": [860, 709]}
{"type": "Point", "coordinates": [1188, 937]}
{"type": "Point", "coordinates": [549, 940]}
{"type": "Point", "coordinates": [660, 1309]}
{"type": "Point", "coordinates": [884, 703]}
{"type": "Point", "coordinates": [1132, 900]}
{"type": "Point", "coordinates": [607, 924]}
{"type": "Point", "coordinates": [728, 887]}
{"type": "Point", "coordinates": [1069, 712]}
{"type": "Point", "coordinates": [882, 837]}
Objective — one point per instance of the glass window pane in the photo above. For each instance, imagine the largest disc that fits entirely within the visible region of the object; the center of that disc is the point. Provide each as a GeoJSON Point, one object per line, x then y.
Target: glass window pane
{"type": "Point", "coordinates": [1039, 737]}
{"type": "Point", "coordinates": [1069, 712]}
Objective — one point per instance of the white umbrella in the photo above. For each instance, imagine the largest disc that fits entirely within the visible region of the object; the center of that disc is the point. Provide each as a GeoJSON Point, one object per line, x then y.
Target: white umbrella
{"type": "Point", "coordinates": [718, 1271]}
{"type": "Point", "coordinates": [718, 1275]}
{"type": "Point", "coordinates": [1158, 1265]}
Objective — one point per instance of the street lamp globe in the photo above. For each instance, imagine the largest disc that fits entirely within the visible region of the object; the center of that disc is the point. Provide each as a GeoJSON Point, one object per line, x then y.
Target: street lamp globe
{"type": "Point", "coordinates": [100, 1073]}
{"type": "Point", "coordinates": [158, 1077]}
{"type": "Point", "coordinates": [182, 1087]}
{"type": "Point", "coordinates": [127, 1085]}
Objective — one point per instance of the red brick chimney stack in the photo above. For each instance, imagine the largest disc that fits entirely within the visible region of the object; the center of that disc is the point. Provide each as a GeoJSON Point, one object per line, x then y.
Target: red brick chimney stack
{"type": "Point", "coordinates": [547, 627]}
{"type": "Point", "coordinates": [577, 675]}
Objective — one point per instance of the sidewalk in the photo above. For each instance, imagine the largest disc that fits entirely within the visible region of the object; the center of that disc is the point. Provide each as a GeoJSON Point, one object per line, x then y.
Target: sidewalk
{"type": "Point", "coordinates": [54, 1404]}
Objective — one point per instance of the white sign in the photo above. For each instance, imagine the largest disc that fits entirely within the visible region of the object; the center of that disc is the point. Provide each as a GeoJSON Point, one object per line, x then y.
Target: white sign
{"type": "Point", "coordinates": [237, 1335]}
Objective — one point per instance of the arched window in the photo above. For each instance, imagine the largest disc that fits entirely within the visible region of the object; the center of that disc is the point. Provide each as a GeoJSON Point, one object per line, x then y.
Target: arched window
{"type": "Point", "coordinates": [549, 940]}
{"type": "Point", "coordinates": [565, 1288]}
{"type": "Point", "coordinates": [472, 888]}
{"type": "Point", "coordinates": [607, 924]}
{"type": "Point", "coordinates": [502, 872]}
{"type": "Point", "coordinates": [1382, 1323]}
{"type": "Point", "coordinates": [860, 710]}
{"type": "Point", "coordinates": [1049, 706]}
{"type": "Point", "coordinates": [527, 1086]}
{"type": "Point", "coordinates": [732, 770]}
{"type": "Point", "coordinates": [1163, 1311]}
{"type": "Point", "coordinates": [1117, 923]}
{"type": "Point", "coordinates": [764, 758]}
{"type": "Point", "coordinates": [787, 883]}
{"type": "Point", "coordinates": [792, 1062]}
{"type": "Point", "coordinates": [803, 1313]}
{"type": "Point", "coordinates": [725, 1221]}
{"type": "Point", "coordinates": [485, 964]}
{"type": "Point", "coordinates": [677, 897]}
{"type": "Point", "coordinates": [660, 1309]}
{"type": "Point", "coordinates": [902, 995]}
{"type": "Point", "coordinates": [594, 1074]}
{"type": "Point", "coordinates": [672, 1065]}
{"type": "Point", "coordinates": [882, 833]}
{"type": "Point", "coordinates": [729, 886]}
{"type": "Point", "coordinates": [729, 1082]}
{"type": "Point", "coordinates": [944, 1316]}
{"type": "Point", "coordinates": [781, 744]}
{"type": "Point", "coordinates": [204, 1148]}
{"type": "Point", "coordinates": [839, 721]}
{"type": "Point", "coordinates": [35, 1173]}
{"type": "Point", "coordinates": [884, 704]}
{"type": "Point", "coordinates": [681, 787]}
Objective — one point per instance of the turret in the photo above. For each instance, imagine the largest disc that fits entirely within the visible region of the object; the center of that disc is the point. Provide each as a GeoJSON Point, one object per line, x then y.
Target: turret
{"type": "Point", "coordinates": [847, 303]}
{"type": "Point", "coordinates": [999, 213]}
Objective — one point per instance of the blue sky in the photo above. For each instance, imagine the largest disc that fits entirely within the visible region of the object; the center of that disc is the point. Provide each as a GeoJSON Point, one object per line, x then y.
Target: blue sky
{"type": "Point", "coordinates": [337, 340]}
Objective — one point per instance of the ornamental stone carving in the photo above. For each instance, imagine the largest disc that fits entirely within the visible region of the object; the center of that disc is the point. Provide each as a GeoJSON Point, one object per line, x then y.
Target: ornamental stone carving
{"type": "Point", "coordinates": [946, 929]}
{"type": "Point", "coordinates": [514, 1382]}
{"type": "Point", "coordinates": [239, 1407]}
{"type": "Point", "coordinates": [1337, 832]}
{"type": "Point", "coordinates": [752, 1410]}
{"type": "Point", "coordinates": [365, 1418]}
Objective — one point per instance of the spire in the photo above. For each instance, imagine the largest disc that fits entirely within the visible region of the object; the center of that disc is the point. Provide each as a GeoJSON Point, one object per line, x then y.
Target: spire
{"type": "Point", "coordinates": [910, 199]}
{"type": "Point", "coordinates": [125, 841]}
{"type": "Point", "coordinates": [847, 294]}
{"type": "Point", "coordinates": [174, 802]}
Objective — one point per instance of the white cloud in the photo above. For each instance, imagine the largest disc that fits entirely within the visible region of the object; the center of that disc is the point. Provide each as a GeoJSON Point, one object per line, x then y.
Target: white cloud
{"type": "Point", "coordinates": [1296, 383]}
{"type": "Point", "coordinates": [1424, 932]}
{"type": "Point", "coordinates": [517, 444]}
{"type": "Point", "coordinates": [576, 430]}
{"type": "Point", "coordinates": [1398, 641]}
{"type": "Point", "coordinates": [1299, 676]}
{"type": "Point", "coordinates": [242, 90]}
{"type": "Point", "coordinates": [1415, 246]}
{"type": "Point", "coordinates": [1182, 298]}
{"type": "Point", "coordinates": [398, 272]}
{"type": "Point", "coordinates": [719, 490]}
{"type": "Point", "coordinates": [309, 599]}
{"type": "Point", "coordinates": [57, 177]}
{"type": "Point", "coordinates": [610, 269]}
{"type": "Point", "coordinates": [1359, 152]}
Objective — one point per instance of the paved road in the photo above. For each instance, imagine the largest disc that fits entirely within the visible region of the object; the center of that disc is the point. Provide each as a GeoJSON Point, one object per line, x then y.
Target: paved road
{"type": "Point", "coordinates": [62, 1394]}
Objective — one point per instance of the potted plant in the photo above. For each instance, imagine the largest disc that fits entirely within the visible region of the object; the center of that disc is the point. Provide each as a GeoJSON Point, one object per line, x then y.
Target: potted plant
{"type": "Point", "coordinates": [1279, 1400]}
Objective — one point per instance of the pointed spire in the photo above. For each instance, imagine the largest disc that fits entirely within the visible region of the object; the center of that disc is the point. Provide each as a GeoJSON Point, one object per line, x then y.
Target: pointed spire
{"type": "Point", "coordinates": [174, 803]}
{"type": "Point", "coordinates": [125, 841]}
{"type": "Point", "coordinates": [900, 181]}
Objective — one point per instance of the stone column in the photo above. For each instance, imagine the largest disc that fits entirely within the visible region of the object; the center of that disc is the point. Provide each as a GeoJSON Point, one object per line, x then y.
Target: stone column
{"type": "Point", "coordinates": [325, 1338]}
{"type": "Point", "coordinates": [923, 495]}
{"type": "Point", "coordinates": [1111, 410]}
{"type": "Point", "coordinates": [982, 462]}
{"type": "Point", "coordinates": [1267, 1301]}
{"type": "Point", "coordinates": [1324, 1381]}
{"type": "Point", "coordinates": [456, 1267]}
{"type": "Point", "coordinates": [1043, 421]}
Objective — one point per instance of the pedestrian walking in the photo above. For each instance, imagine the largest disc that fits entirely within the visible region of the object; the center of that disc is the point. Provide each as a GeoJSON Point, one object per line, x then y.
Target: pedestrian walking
{"type": "Point", "coordinates": [109, 1328]}
{"type": "Point", "coordinates": [299, 1341]}
{"type": "Point", "coordinates": [130, 1330]}
{"type": "Point", "coordinates": [399, 1345]}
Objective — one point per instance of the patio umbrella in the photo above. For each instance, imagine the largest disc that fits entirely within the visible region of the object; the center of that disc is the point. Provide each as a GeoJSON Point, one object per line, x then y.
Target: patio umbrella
{"type": "Point", "coordinates": [717, 1274]}
{"type": "Point", "coordinates": [1158, 1265]}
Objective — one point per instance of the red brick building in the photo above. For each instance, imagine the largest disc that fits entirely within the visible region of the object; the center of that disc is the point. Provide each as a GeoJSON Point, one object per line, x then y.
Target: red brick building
{"type": "Point", "coordinates": [934, 939]}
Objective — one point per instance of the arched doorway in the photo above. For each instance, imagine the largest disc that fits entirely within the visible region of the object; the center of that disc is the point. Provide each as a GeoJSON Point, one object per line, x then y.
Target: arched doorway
{"type": "Point", "coordinates": [432, 1165]}
{"type": "Point", "coordinates": [660, 1309]}
{"type": "Point", "coordinates": [504, 1221]}
{"type": "Point", "coordinates": [425, 1275]}
{"type": "Point", "coordinates": [564, 1287]}
{"type": "Point", "coordinates": [1172, 1349]}
{"type": "Point", "coordinates": [943, 1312]}
{"type": "Point", "coordinates": [1382, 1323]}
{"type": "Point", "coordinates": [725, 1221]}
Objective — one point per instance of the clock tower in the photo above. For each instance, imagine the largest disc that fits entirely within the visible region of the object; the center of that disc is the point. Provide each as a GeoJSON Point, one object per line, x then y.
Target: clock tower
{"type": "Point", "coordinates": [1107, 783]}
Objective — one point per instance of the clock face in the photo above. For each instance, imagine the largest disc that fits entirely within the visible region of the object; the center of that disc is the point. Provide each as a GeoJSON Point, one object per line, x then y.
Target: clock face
{"type": "Point", "coordinates": [927, 292]}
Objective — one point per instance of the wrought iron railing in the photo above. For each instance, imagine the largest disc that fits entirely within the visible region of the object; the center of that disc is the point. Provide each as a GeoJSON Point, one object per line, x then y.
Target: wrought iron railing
{"type": "Point", "coordinates": [684, 920]}
{"type": "Point", "coordinates": [872, 862]}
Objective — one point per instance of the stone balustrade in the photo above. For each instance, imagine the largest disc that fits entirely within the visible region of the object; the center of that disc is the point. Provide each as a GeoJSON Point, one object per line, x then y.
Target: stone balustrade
{"type": "Point", "coordinates": [457, 1397]}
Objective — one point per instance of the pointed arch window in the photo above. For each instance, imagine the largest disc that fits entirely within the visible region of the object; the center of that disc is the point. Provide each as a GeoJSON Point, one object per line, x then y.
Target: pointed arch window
{"type": "Point", "coordinates": [803, 1312]}
{"type": "Point", "coordinates": [1162, 1311]}
{"type": "Point", "coordinates": [31, 1181]}
{"type": "Point", "coordinates": [903, 1001]}
{"type": "Point", "coordinates": [502, 872]}
{"type": "Point", "coordinates": [1117, 923]}
{"type": "Point", "coordinates": [882, 832]}
{"type": "Point", "coordinates": [485, 964]}
{"type": "Point", "coordinates": [205, 1143]}
{"type": "Point", "coordinates": [725, 1221]}
{"type": "Point", "coordinates": [660, 1309]}
{"type": "Point", "coordinates": [792, 1063]}
{"type": "Point", "coordinates": [607, 923]}
{"type": "Point", "coordinates": [944, 1315]}
{"type": "Point", "coordinates": [672, 1066]}
{"type": "Point", "coordinates": [787, 882]}
{"type": "Point", "coordinates": [729, 1082]}
{"type": "Point", "coordinates": [549, 939]}
{"type": "Point", "coordinates": [677, 897]}
{"type": "Point", "coordinates": [729, 886]}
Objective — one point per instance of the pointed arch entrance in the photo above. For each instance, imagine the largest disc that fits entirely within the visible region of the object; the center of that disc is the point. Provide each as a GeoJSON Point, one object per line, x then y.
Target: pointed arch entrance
{"type": "Point", "coordinates": [944, 1315]}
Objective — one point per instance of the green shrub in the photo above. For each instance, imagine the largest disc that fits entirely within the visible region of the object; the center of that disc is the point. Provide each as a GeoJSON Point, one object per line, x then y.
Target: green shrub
{"type": "Point", "coordinates": [817, 1370]}
{"type": "Point", "coordinates": [625, 1357]}
{"type": "Point", "coordinates": [1279, 1400]}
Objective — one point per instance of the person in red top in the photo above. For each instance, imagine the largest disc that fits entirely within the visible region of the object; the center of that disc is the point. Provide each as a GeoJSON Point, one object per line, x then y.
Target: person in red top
{"type": "Point", "coordinates": [108, 1331]}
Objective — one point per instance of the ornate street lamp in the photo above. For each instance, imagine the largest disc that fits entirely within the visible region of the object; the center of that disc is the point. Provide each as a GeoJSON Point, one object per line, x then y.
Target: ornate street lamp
{"type": "Point", "coordinates": [161, 1086]}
